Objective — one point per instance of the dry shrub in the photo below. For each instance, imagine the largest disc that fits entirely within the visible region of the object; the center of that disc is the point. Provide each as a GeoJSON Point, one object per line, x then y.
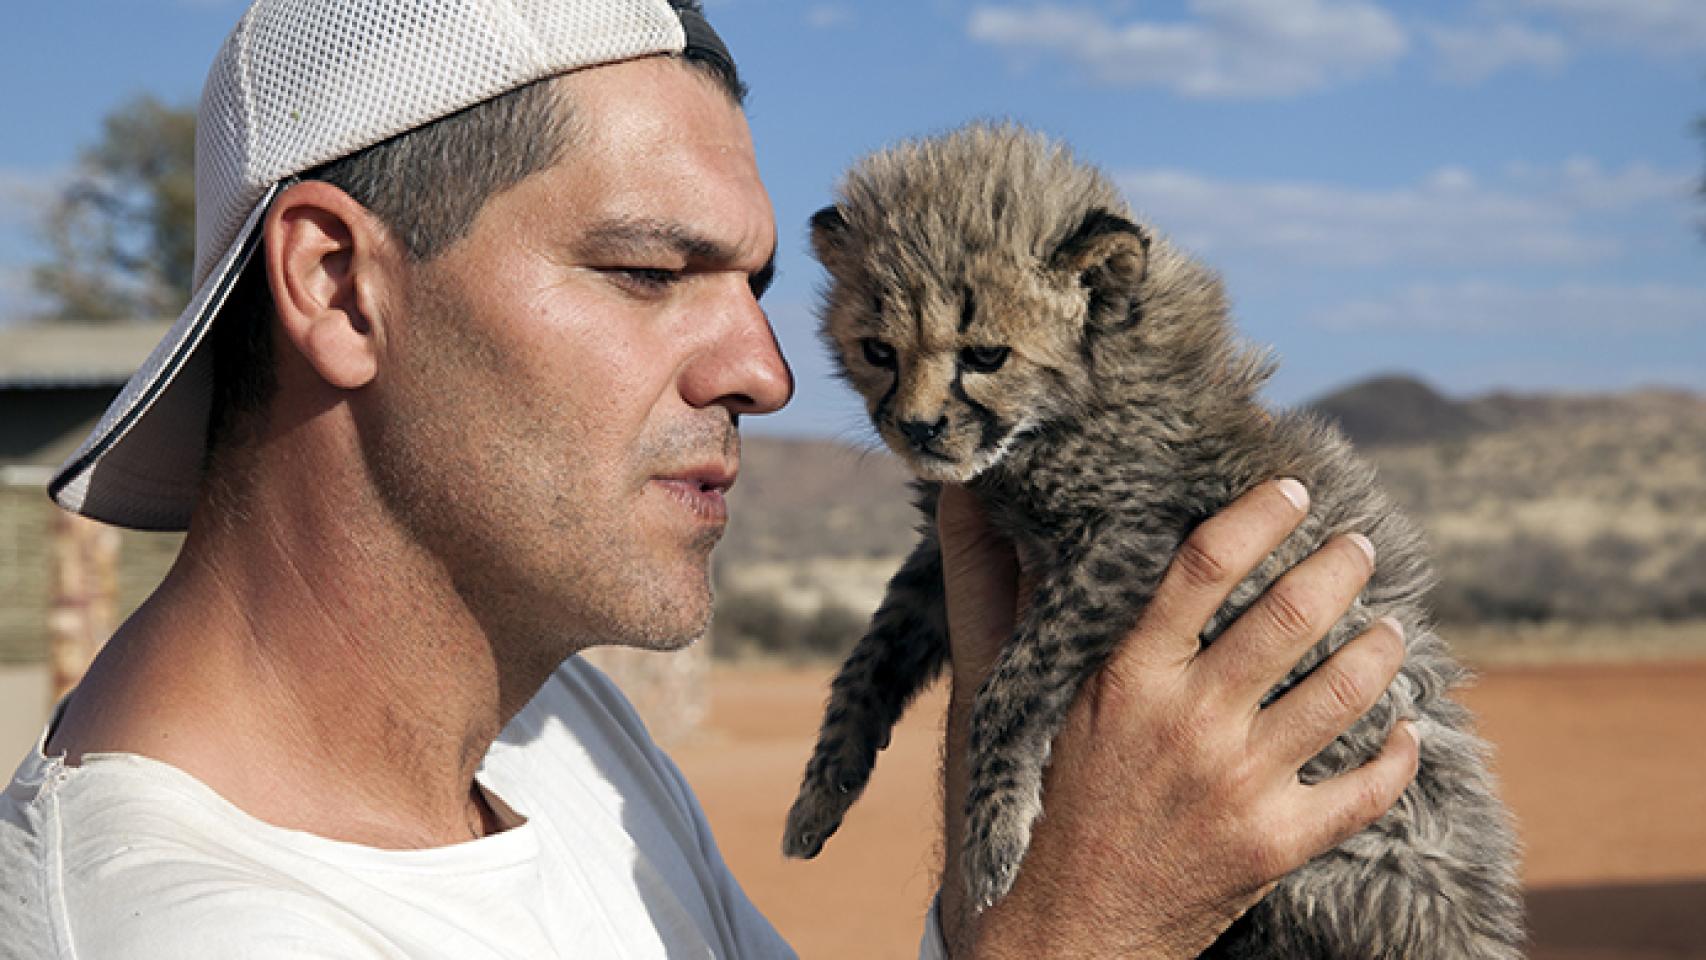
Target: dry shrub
{"type": "Point", "coordinates": [1530, 579]}
{"type": "Point", "coordinates": [754, 624]}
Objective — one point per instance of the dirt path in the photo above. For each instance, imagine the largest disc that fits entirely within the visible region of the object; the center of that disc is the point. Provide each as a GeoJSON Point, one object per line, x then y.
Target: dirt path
{"type": "Point", "coordinates": [1604, 765]}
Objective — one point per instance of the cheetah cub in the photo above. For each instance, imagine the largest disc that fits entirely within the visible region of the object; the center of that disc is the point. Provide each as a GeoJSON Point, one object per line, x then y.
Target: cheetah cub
{"type": "Point", "coordinates": [1012, 328]}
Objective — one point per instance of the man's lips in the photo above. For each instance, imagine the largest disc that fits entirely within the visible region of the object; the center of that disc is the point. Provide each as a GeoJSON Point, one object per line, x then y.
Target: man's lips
{"type": "Point", "coordinates": [701, 490]}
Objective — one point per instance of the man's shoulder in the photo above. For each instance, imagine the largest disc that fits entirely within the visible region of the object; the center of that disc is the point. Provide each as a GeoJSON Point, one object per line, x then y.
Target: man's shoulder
{"type": "Point", "coordinates": [114, 858]}
{"type": "Point", "coordinates": [213, 918]}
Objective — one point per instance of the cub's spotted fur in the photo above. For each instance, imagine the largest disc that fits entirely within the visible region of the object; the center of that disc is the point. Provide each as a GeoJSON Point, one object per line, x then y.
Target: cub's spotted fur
{"type": "Point", "coordinates": [1012, 328]}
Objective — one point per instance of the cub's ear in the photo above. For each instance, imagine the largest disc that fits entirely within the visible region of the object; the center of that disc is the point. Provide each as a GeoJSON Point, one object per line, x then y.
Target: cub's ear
{"type": "Point", "coordinates": [829, 232]}
{"type": "Point", "coordinates": [1110, 256]}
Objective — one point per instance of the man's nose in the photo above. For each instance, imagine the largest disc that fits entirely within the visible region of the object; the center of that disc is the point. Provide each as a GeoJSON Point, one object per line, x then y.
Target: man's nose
{"type": "Point", "coordinates": [742, 369]}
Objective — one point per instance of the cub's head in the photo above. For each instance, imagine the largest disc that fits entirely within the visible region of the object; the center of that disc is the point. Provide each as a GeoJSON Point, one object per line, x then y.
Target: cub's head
{"type": "Point", "coordinates": [968, 277]}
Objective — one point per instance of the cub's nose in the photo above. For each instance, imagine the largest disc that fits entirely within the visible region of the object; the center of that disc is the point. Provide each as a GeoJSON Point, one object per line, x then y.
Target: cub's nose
{"type": "Point", "coordinates": [920, 434]}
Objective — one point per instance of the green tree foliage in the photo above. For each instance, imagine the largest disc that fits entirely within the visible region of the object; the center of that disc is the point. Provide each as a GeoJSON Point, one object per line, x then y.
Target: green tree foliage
{"type": "Point", "coordinates": [122, 234]}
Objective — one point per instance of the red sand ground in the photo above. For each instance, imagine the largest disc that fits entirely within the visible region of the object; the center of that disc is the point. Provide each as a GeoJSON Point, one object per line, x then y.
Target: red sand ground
{"type": "Point", "coordinates": [1605, 767]}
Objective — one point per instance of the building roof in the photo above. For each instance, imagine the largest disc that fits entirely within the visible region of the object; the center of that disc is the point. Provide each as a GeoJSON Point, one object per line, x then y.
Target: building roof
{"type": "Point", "coordinates": [47, 355]}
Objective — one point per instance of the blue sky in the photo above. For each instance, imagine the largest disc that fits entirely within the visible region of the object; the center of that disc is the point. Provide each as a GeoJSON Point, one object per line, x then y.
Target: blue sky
{"type": "Point", "coordinates": [1488, 193]}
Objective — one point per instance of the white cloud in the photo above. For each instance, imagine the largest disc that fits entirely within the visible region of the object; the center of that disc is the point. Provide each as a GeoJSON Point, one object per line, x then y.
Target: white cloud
{"type": "Point", "coordinates": [1479, 307]}
{"type": "Point", "coordinates": [823, 16]}
{"type": "Point", "coordinates": [1226, 49]}
{"type": "Point", "coordinates": [1656, 26]}
{"type": "Point", "coordinates": [1536, 216]}
{"type": "Point", "coordinates": [1451, 180]}
{"type": "Point", "coordinates": [1583, 183]}
{"type": "Point", "coordinates": [1470, 54]}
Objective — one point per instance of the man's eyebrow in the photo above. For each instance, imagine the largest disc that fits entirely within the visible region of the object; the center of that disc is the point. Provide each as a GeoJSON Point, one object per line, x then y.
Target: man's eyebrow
{"type": "Point", "coordinates": [647, 234]}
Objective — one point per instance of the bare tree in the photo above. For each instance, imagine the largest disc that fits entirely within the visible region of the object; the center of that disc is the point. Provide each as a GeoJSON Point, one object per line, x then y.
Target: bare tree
{"type": "Point", "coordinates": [122, 234]}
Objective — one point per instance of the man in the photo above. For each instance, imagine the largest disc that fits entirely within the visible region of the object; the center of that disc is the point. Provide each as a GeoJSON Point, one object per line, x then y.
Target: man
{"type": "Point", "coordinates": [473, 409]}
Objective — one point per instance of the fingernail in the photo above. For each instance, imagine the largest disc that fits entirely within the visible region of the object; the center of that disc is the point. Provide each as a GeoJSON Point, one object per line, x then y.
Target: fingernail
{"type": "Point", "coordinates": [1294, 492]}
{"type": "Point", "coordinates": [1365, 545]}
{"type": "Point", "coordinates": [1393, 624]}
{"type": "Point", "coordinates": [1409, 727]}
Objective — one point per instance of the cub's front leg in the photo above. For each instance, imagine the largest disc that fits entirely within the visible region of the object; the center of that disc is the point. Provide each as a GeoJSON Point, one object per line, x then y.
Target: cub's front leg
{"type": "Point", "coordinates": [1077, 615]}
{"type": "Point", "coordinates": [901, 653]}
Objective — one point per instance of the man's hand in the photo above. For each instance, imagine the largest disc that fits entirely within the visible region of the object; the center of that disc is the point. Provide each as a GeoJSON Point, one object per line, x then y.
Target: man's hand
{"type": "Point", "coordinates": [1172, 803]}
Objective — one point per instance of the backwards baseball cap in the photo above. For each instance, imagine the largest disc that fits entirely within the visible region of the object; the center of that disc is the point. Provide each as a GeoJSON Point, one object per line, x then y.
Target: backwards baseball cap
{"type": "Point", "coordinates": [298, 84]}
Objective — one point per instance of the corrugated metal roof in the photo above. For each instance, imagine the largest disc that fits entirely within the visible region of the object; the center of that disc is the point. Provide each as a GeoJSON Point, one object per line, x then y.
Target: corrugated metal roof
{"type": "Point", "coordinates": [37, 356]}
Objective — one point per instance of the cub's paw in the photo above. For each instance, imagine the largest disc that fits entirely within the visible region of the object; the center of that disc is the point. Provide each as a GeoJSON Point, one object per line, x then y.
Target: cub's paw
{"type": "Point", "coordinates": [810, 823]}
{"type": "Point", "coordinates": [816, 815]}
{"type": "Point", "coordinates": [995, 845]}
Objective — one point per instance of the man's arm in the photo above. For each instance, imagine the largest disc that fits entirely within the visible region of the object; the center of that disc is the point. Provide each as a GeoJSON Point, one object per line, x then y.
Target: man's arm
{"type": "Point", "coordinates": [1172, 800]}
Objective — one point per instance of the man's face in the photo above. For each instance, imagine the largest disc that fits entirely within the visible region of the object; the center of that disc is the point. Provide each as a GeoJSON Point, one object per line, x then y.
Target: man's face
{"type": "Point", "coordinates": [556, 420]}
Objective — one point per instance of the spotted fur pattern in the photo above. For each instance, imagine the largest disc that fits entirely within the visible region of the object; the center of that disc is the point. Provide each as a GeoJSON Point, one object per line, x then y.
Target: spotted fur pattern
{"type": "Point", "coordinates": [1012, 327]}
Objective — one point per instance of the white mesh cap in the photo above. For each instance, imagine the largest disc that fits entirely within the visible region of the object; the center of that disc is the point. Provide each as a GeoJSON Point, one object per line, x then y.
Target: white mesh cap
{"type": "Point", "coordinates": [297, 84]}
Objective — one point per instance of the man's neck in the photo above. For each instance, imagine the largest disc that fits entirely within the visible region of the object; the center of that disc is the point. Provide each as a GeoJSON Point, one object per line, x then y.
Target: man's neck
{"type": "Point", "coordinates": [318, 677]}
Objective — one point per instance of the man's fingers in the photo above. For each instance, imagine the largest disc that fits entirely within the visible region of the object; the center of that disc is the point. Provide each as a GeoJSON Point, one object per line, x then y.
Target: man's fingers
{"type": "Point", "coordinates": [1213, 559]}
{"type": "Point", "coordinates": [1258, 649]}
{"type": "Point", "coordinates": [1309, 716]}
{"type": "Point", "coordinates": [1336, 809]}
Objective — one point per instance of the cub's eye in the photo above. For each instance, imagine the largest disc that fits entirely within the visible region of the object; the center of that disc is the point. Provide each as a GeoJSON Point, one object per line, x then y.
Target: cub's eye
{"type": "Point", "coordinates": [983, 359]}
{"type": "Point", "coordinates": [877, 353]}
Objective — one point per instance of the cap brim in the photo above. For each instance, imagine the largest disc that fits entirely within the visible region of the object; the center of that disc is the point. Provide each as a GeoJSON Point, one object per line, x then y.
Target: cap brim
{"type": "Point", "coordinates": [141, 466]}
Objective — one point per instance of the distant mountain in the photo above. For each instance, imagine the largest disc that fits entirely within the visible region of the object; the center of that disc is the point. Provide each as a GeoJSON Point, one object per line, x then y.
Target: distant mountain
{"type": "Point", "coordinates": [1400, 410]}
{"type": "Point", "coordinates": [1396, 409]}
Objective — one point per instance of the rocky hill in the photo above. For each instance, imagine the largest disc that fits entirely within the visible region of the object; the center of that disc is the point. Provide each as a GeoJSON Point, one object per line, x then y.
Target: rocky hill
{"type": "Point", "coordinates": [1396, 409]}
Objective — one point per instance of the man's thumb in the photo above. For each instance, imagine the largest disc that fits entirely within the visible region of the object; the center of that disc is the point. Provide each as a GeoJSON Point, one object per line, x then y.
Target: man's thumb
{"type": "Point", "coordinates": [980, 579]}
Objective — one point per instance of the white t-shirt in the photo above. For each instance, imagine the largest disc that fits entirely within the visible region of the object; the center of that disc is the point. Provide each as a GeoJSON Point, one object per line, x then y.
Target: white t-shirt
{"type": "Point", "coordinates": [126, 857]}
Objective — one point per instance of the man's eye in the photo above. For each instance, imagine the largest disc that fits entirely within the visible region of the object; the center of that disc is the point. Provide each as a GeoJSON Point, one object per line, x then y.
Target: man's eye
{"type": "Point", "coordinates": [877, 353]}
{"type": "Point", "coordinates": [649, 278]}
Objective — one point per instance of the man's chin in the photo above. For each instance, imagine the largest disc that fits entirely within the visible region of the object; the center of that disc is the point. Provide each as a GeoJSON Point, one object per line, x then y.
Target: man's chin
{"type": "Point", "coordinates": [678, 643]}
{"type": "Point", "coordinates": [675, 618]}
{"type": "Point", "coordinates": [660, 639]}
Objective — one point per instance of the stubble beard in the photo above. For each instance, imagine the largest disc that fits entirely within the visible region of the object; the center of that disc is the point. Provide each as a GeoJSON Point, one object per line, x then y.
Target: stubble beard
{"type": "Point", "coordinates": [687, 442]}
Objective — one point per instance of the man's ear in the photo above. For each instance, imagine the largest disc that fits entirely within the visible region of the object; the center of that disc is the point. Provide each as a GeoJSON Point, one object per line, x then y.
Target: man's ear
{"type": "Point", "coordinates": [331, 267]}
{"type": "Point", "coordinates": [1110, 256]}
{"type": "Point", "coordinates": [829, 233]}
